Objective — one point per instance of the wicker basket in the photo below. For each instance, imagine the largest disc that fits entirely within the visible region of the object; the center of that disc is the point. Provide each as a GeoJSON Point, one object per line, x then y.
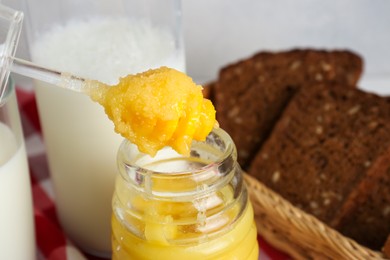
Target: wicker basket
{"type": "Point", "coordinates": [297, 233]}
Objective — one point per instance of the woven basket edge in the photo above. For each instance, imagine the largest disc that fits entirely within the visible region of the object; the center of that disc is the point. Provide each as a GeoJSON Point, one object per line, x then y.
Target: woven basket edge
{"type": "Point", "coordinates": [306, 224]}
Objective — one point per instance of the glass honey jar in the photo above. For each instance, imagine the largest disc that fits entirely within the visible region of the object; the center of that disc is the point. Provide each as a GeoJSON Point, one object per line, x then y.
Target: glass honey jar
{"type": "Point", "coordinates": [175, 207]}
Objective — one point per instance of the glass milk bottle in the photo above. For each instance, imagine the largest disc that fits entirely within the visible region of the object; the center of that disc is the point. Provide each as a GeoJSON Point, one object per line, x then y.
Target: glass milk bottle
{"type": "Point", "coordinates": [17, 238]}
{"type": "Point", "coordinates": [174, 207]}
{"type": "Point", "coordinates": [101, 40]}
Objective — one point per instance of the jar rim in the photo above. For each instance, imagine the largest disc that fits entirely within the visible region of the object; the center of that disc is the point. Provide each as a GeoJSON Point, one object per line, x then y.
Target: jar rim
{"type": "Point", "coordinates": [200, 176]}
{"type": "Point", "coordinates": [218, 134]}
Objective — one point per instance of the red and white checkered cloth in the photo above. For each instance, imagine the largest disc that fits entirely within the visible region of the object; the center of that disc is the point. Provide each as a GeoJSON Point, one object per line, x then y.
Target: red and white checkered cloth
{"type": "Point", "coordinates": [52, 243]}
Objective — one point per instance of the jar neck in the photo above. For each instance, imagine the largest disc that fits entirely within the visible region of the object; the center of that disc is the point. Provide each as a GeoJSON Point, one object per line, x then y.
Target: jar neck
{"type": "Point", "coordinates": [210, 166]}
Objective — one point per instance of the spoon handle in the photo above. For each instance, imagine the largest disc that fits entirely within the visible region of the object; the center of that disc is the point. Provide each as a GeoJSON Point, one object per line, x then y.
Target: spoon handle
{"type": "Point", "coordinates": [61, 79]}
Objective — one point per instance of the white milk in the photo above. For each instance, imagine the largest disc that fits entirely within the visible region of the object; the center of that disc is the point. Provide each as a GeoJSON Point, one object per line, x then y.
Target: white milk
{"type": "Point", "coordinates": [16, 215]}
{"type": "Point", "coordinates": [80, 139]}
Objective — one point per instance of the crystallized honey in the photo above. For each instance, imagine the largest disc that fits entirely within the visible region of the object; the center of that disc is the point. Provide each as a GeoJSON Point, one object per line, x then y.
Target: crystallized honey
{"type": "Point", "coordinates": [174, 207]}
{"type": "Point", "coordinates": [157, 108]}
{"type": "Point", "coordinates": [178, 195]}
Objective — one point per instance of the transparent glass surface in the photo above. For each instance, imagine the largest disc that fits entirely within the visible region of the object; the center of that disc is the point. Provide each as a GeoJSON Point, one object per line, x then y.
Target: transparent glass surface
{"type": "Point", "coordinates": [175, 207]}
{"type": "Point", "coordinates": [16, 218]}
{"type": "Point", "coordinates": [10, 28]}
{"type": "Point", "coordinates": [100, 40]}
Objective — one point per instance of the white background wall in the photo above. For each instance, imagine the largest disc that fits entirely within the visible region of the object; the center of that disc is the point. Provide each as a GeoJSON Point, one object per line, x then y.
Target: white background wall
{"type": "Point", "coordinates": [218, 32]}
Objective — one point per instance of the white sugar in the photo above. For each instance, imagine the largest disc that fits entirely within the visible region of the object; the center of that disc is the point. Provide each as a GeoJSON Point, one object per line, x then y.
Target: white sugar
{"type": "Point", "coordinates": [104, 49]}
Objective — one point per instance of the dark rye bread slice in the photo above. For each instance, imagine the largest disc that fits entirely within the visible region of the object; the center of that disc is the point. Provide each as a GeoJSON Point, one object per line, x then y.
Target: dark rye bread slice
{"type": "Point", "coordinates": [328, 155]}
{"type": "Point", "coordinates": [208, 91]}
{"type": "Point", "coordinates": [386, 247]}
{"type": "Point", "coordinates": [251, 94]}
{"type": "Point", "coordinates": [365, 216]}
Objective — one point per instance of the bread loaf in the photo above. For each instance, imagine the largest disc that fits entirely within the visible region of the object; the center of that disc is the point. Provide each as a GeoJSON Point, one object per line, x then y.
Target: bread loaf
{"type": "Point", "coordinates": [329, 154]}
{"type": "Point", "coordinates": [386, 247]}
{"type": "Point", "coordinates": [251, 94]}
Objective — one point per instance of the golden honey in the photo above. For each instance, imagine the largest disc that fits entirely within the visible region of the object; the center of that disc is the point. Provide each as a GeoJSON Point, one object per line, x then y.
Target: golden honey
{"type": "Point", "coordinates": [172, 206]}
